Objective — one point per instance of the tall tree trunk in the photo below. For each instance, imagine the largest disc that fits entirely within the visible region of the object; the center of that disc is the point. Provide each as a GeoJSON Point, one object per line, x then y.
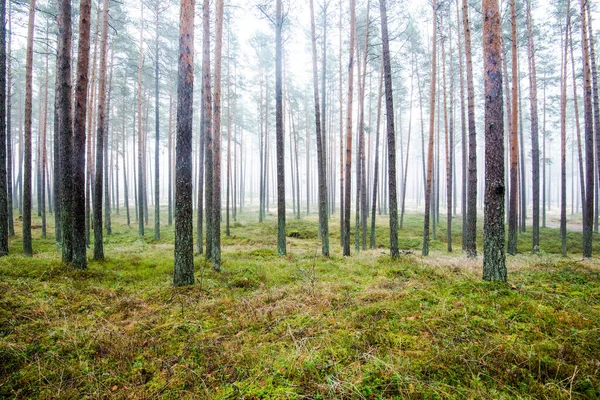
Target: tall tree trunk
{"type": "Point", "coordinates": [183, 273]}
{"type": "Point", "coordinates": [428, 187]}
{"type": "Point", "coordinates": [100, 131]}
{"type": "Point", "coordinates": [494, 261]}
{"type": "Point", "coordinates": [281, 245]}
{"type": "Point", "coordinates": [348, 167]}
{"type": "Point", "coordinates": [141, 165]}
{"type": "Point", "coordinates": [391, 135]}
{"type": "Point", "coordinates": [65, 126]}
{"type": "Point", "coordinates": [535, 151]}
{"type": "Point", "coordinates": [207, 128]}
{"type": "Point", "coordinates": [9, 152]}
{"type": "Point", "coordinates": [596, 107]}
{"type": "Point", "coordinates": [588, 217]}
{"type": "Point", "coordinates": [81, 89]}
{"type": "Point", "coordinates": [323, 220]}
{"type": "Point", "coordinates": [341, 131]}
{"type": "Point", "coordinates": [4, 201]}
{"type": "Point", "coordinates": [228, 172]}
{"type": "Point", "coordinates": [471, 232]}
{"type": "Point", "coordinates": [563, 136]}
{"type": "Point", "coordinates": [513, 221]}
{"type": "Point", "coordinates": [27, 246]}
{"type": "Point", "coordinates": [216, 143]}
{"type": "Point", "coordinates": [157, 130]}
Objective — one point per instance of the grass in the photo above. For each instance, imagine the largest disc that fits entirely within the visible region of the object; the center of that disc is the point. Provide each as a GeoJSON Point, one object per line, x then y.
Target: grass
{"type": "Point", "coordinates": [301, 326]}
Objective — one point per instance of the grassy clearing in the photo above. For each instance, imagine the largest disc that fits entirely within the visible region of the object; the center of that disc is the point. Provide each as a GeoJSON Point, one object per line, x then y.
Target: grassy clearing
{"type": "Point", "coordinates": [301, 326]}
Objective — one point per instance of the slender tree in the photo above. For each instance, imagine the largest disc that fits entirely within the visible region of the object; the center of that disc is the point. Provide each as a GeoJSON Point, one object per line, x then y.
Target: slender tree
{"type": "Point", "coordinates": [100, 131]}
{"type": "Point", "coordinates": [391, 135]}
{"type": "Point", "coordinates": [429, 185]}
{"type": "Point", "coordinates": [27, 245]}
{"type": "Point", "coordinates": [81, 88]}
{"type": "Point", "coordinates": [348, 167]}
{"type": "Point", "coordinates": [279, 134]}
{"type": "Point", "coordinates": [216, 142]}
{"type": "Point", "coordinates": [65, 126]}
{"type": "Point", "coordinates": [563, 136]}
{"type": "Point", "coordinates": [535, 148]}
{"type": "Point", "coordinates": [323, 218]}
{"type": "Point", "coordinates": [3, 156]}
{"type": "Point", "coordinates": [588, 217]}
{"type": "Point", "coordinates": [156, 127]}
{"type": "Point", "coordinates": [494, 261]}
{"type": "Point", "coordinates": [514, 137]}
{"type": "Point", "coordinates": [206, 129]}
{"type": "Point", "coordinates": [183, 273]}
{"type": "Point", "coordinates": [471, 232]}
{"type": "Point", "coordinates": [9, 151]}
{"type": "Point", "coordinates": [141, 166]}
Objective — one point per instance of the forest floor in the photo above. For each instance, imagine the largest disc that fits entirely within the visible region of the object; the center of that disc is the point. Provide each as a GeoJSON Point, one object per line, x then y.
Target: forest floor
{"type": "Point", "coordinates": [300, 326]}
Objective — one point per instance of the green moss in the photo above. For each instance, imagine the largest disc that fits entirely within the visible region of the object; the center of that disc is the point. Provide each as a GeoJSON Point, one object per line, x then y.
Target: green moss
{"type": "Point", "coordinates": [301, 326]}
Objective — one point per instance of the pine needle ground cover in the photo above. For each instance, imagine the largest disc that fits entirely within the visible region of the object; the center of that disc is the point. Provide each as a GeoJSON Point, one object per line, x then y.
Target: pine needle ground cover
{"type": "Point", "coordinates": [302, 326]}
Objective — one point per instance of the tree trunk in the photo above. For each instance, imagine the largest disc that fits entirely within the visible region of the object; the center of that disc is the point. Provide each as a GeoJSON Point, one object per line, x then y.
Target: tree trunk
{"type": "Point", "coordinates": [281, 245]}
{"type": "Point", "coordinates": [323, 220]}
{"type": "Point", "coordinates": [563, 136]}
{"type": "Point", "coordinates": [471, 232]}
{"type": "Point", "coordinates": [27, 245]}
{"type": "Point", "coordinates": [183, 273]}
{"type": "Point", "coordinates": [4, 201]}
{"type": "Point", "coordinates": [78, 169]}
{"type": "Point", "coordinates": [9, 152]}
{"type": "Point", "coordinates": [428, 186]}
{"type": "Point", "coordinates": [157, 129]}
{"type": "Point", "coordinates": [391, 136]}
{"type": "Point", "coordinates": [141, 165]}
{"type": "Point", "coordinates": [65, 126]}
{"type": "Point", "coordinates": [207, 129]}
{"type": "Point", "coordinates": [535, 151]}
{"type": "Point", "coordinates": [494, 261]}
{"type": "Point", "coordinates": [596, 107]}
{"type": "Point", "coordinates": [100, 131]}
{"type": "Point", "coordinates": [348, 167]}
{"type": "Point", "coordinates": [588, 217]}
{"type": "Point", "coordinates": [216, 143]}
{"type": "Point", "coordinates": [513, 221]}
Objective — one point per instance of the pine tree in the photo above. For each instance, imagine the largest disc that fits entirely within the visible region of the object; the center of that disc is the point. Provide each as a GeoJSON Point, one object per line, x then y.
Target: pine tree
{"type": "Point", "coordinates": [27, 245]}
{"type": "Point", "coordinates": [183, 273]}
{"type": "Point", "coordinates": [3, 142]}
{"type": "Point", "coordinates": [391, 135]}
{"type": "Point", "coordinates": [100, 132]}
{"type": "Point", "coordinates": [78, 168]}
{"type": "Point", "coordinates": [494, 261]}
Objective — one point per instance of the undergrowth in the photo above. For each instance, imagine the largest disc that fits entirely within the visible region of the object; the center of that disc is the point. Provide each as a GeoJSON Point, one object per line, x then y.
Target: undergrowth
{"type": "Point", "coordinates": [300, 326]}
